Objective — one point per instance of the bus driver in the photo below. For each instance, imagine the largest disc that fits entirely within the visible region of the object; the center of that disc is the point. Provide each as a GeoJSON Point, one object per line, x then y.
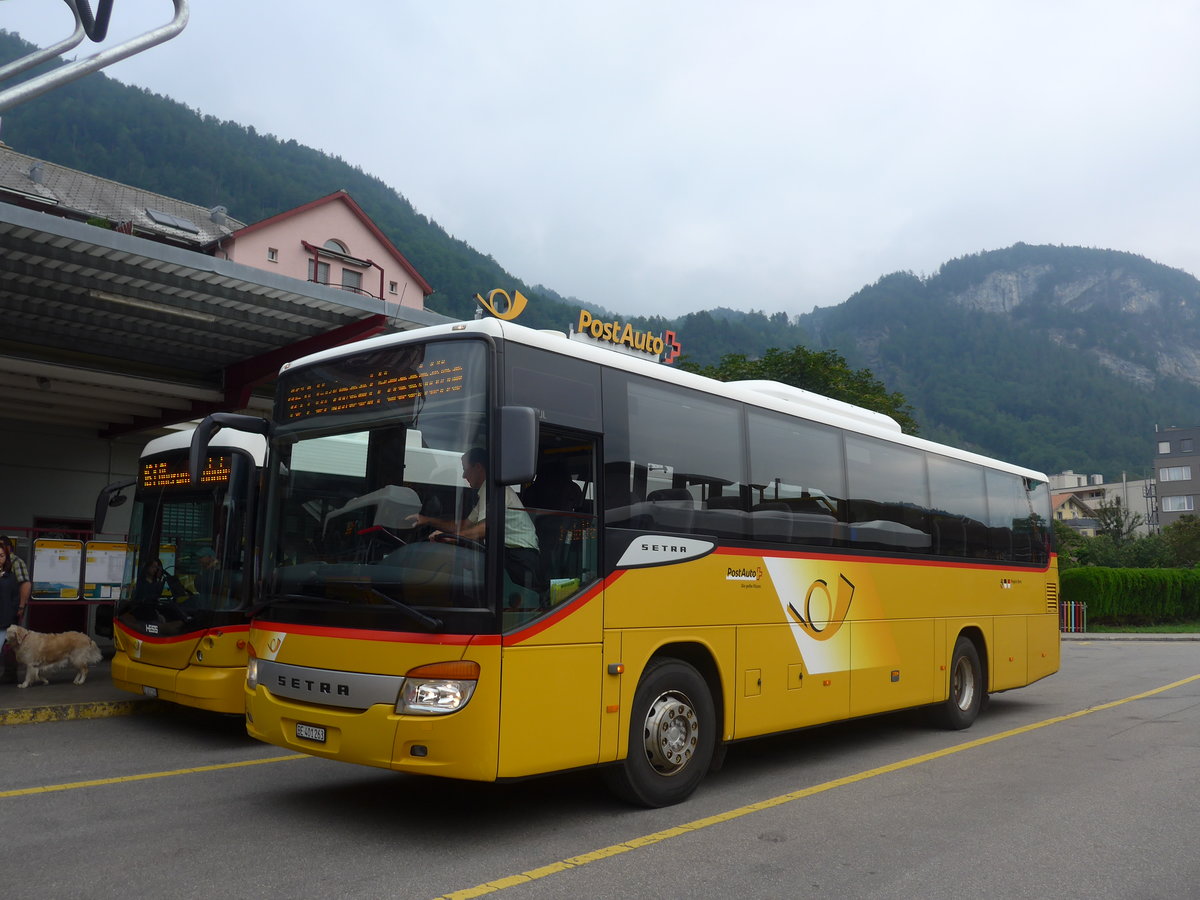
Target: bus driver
{"type": "Point", "coordinates": [522, 561]}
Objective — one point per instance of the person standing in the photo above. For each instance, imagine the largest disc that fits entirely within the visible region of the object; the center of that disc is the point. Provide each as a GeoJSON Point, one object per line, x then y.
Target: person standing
{"type": "Point", "coordinates": [12, 607]}
{"type": "Point", "coordinates": [21, 570]}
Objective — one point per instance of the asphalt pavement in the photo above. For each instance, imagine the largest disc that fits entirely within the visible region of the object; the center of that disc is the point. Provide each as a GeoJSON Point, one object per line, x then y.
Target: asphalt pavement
{"type": "Point", "coordinates": [61, 700]}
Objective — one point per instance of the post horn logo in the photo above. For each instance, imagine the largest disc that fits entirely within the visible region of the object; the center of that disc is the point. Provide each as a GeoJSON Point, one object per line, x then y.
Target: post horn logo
{"type": "Point", "coordinates": [823, 617]}
{"type": "Point", "coordinates": [513, 306]}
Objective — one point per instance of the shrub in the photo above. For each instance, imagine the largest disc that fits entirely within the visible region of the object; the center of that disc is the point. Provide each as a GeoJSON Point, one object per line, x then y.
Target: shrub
{"type": "Point", "coordinates": [1134, 596]}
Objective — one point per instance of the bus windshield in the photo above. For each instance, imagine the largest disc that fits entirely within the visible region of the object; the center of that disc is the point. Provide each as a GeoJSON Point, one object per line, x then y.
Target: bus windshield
{"type": "Point", "coordinates": [368, 445]}
{"type": "Point", "coordinates": [188, 545]}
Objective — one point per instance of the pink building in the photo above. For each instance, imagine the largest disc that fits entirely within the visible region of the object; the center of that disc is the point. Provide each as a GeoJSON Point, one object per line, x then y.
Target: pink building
{"type": "Point", "coordinates": [330, 241]}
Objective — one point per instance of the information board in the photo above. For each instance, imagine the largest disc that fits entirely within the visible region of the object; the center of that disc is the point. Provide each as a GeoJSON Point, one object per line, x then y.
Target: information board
{"type": "Point", "coordinates": [57, 569]}
{"type": "Point", "coordinates": [103, 570]}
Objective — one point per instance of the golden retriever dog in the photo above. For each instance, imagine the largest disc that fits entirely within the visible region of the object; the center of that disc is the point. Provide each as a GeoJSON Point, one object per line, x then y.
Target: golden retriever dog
{"type": "Point", "coordinates": [39, 651]}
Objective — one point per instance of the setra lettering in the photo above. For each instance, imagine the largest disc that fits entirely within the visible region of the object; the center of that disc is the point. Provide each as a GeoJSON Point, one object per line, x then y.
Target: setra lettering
{"type": "Point", "coordinates": [666, 548]}
{"type": "Point", "coordinates": [312, 687]}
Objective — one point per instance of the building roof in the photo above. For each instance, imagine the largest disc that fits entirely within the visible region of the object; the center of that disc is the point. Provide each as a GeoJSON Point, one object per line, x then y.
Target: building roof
{"type": "Point", "coordinates": [344, 198]}
{"type": "Point", "coordinates": [1059, 500]}
{"type": "Point", "coordinates": [37, 184]}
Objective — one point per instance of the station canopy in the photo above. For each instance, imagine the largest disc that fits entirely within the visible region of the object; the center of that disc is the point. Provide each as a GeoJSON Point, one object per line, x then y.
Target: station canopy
{"type": "Point", "coordinates": [119, 334]}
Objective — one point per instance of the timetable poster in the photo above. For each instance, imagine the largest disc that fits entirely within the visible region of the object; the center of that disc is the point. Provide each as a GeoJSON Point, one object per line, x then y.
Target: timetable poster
{"type": "Point", "coordinates": [56, 569]}
{"type": "Point", "coordinates": [103, 570]}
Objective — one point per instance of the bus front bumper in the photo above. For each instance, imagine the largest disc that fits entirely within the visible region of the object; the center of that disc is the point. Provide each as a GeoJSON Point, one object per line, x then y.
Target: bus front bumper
{"type": "Point", "coordinates": [217, 689]}
{"type": "Point", "coordinates": [450, 746]}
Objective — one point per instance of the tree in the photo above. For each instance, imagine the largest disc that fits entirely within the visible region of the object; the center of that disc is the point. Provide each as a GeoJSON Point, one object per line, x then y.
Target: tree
{"type": "Point", "coordinates": [1116, 522]}
{"type": "Point", "coordinates": [1069, 542]}
{"type": "Point", "coordinates": [1183, 538]}
{"type": "Point", "coordinates": [822, 372]}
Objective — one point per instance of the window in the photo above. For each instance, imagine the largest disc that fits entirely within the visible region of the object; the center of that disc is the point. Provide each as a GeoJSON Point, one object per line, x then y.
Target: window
{"type": "Point", "coordinates": [337, 247]}
{"type": "Point", "coordinates": [888, 505]}
{"type": "Point", "coordinates": [1175, 473]}
{"type": "Point", "coordinates": [674, 461]}
{"type": "Point", "coordinates": [318, 272]}
{"type": "Point", "coordinates": [351, 280]}
{"type": "Point", "coordinates": [959, 502]}
{"type": "Point", "coordinates": [564, 391]}
{"type": "Point", "coordinates": [393, 287]}
{"type": "Point", "coordinates": [797, 478]}
{"type": "Point", "coordinates": [1012, 520]}
{"type": "Point", "coordinates": [272, 254]}
{"type": "Point", "coordinates": [1185, 445]}
{"type": "Point", "coordinates": [1164, 448]}
{"type": "Point", "coordinates": [1178, 504]}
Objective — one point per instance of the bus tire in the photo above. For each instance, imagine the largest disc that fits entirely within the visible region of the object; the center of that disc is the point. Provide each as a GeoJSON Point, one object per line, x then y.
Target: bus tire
{"type": "Point", "coordinates": [967, 690]}
{"type": "Point", "coordinates": [672, 733]}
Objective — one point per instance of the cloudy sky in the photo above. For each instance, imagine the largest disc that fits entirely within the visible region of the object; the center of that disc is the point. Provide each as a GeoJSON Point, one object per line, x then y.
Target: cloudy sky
{"type": "Point", "coordinates": [658, 157]}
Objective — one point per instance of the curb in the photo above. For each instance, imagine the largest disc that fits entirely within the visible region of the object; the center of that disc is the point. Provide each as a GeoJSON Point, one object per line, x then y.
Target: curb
{"type": "Point", "coordinates": [66, 712]}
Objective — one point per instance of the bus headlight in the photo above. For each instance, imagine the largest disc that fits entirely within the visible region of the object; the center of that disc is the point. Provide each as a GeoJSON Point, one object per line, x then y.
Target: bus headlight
{"type": "Point", "coordinates": [437, 689]}
{"type": "Point", "coordinates": [252, 672]}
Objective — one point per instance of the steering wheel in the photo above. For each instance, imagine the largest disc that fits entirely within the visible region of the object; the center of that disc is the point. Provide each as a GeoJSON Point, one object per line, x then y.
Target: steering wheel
{"type": "Point", "coordinates": [446, 537]}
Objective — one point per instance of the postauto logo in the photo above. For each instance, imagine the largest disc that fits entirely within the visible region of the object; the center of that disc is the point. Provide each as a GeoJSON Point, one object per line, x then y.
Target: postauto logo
{"type": "Point", "coordinates": [744, 573]}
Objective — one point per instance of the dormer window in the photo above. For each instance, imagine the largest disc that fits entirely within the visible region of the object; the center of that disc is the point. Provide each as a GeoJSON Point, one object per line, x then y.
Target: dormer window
{"type": "Point", "coordinates": [335, 252]}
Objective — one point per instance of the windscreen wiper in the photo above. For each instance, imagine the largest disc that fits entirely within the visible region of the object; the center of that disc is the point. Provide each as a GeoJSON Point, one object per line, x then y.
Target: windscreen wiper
{"type": "Point", "coordinates": [415, 614]}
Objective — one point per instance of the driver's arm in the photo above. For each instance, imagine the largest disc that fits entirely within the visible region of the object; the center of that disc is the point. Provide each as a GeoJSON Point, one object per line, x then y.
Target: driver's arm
{"type": "Point", "coordinates": [419, 519]}
{"type": "Point", "coordinates": [475, 531]}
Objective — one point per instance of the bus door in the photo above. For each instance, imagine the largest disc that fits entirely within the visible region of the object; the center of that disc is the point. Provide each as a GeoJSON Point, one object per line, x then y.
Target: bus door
{"type": "Point", "coordinates": [553, 618]}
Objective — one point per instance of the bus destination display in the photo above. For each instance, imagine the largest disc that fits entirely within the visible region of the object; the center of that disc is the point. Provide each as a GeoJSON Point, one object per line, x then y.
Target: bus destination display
{"type": "Point", "coordinates": [380, 390]}
{"type": "Point", "coordinates": [174, 473]}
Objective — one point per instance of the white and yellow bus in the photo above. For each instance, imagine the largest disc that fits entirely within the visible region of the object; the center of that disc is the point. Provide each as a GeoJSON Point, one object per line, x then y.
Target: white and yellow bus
{"type": "Point", "coordinates": [181, 625]}
{"type": "Point", "coordinates": [713, 562]}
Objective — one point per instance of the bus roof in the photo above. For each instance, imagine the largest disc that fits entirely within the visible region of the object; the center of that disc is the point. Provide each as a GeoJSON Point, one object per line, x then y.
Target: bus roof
{"type": "Point", "coordinates": [764, 394]}
{"type": "Point", "coordinates": [254, 445]}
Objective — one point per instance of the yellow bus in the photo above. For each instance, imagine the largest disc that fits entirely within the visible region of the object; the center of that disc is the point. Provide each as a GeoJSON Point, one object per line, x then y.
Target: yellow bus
{"type": "Point", "coordinates": [181, 625]}
{"type": "Point", "coordinates": [668, 563]}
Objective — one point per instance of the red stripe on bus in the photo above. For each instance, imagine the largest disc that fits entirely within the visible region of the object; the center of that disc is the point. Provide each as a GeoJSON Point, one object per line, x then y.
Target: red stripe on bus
{"type": "Point", "coordinates": [360, 634]}
{"type": "Point", "coordinates": [216, 630]}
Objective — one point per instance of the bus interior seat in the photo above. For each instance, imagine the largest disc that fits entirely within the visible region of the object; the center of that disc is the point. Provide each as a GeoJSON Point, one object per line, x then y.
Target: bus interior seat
{"type": "Point", "coordinates": [771, 524]}
{"type": "Point", "coordinates": [672, 509]}
{"type": "Point", "coordinates": [731, 501]}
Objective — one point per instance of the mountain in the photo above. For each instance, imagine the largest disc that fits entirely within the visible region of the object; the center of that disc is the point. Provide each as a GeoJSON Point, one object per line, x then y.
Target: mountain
{"type": "Point", "coordinates": [1052, 357]}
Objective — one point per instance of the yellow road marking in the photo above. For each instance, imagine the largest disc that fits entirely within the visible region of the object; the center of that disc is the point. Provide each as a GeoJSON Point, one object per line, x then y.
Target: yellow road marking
{"type": "Point", "coordinates": [146, 776]}
{"type": "Point", "coordinates": [680, 830]}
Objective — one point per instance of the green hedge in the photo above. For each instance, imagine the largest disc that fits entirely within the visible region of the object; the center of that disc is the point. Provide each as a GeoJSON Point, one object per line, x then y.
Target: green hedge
{"type": "Point", "coordinates": [1134, 596]}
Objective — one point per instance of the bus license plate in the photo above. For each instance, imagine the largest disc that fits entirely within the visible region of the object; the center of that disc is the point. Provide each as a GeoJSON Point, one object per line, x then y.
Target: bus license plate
{"type": "Point", "coordinates": [310, 732]}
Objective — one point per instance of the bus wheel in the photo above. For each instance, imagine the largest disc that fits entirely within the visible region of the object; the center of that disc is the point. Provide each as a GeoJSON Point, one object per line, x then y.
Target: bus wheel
{"type": "Point", "coordinates": [672, 732]}
{"type": "Point", "coordinates": [966, 688]}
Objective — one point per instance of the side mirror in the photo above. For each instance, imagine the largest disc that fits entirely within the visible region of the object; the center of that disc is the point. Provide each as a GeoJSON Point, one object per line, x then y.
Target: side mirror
{"type": "Point", "coordinates": [110, 496]}
{"type": "Point", "coordinates": [213, 423]}
{"type": "Point", "coordinates": [518, 444]}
